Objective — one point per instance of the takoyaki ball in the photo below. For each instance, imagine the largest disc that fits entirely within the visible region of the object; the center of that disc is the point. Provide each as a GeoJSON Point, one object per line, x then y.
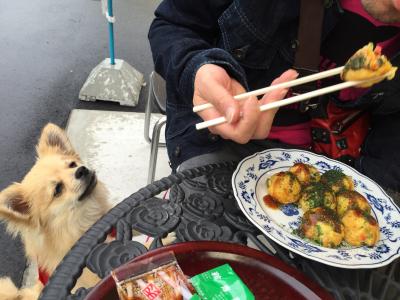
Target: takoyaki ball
{"type": "Point", "coordinates": [346, 200]}
{"type": "Point", "coordinates": [316, 195]}
{"type": "Point", "coordinates": [305, 173]}
{"type": "Point", "coordinates": [337, 180]}
{"type": "Point", "coordinates": [360, 228]}
{"type": "Point", "coordinates": [284, 187]}
{"type": "Point", "coordinates": [368, 63]}
{"type": "Point", "coordinates": [322, 226]}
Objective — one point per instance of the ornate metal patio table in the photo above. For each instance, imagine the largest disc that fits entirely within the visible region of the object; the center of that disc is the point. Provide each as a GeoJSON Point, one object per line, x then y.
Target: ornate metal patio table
{"type": "Point", "coordinates": [201, 206]}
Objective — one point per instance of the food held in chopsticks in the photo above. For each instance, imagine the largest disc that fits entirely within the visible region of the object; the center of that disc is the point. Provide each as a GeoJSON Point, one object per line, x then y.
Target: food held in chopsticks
{"type": "Point", "coordinates": [322, 226]}
{"type": "Point", "coordinates": [284, 187]}
{"type": "Point", "coordinates": [360, 228]}
{"type": "Point", "coordinates": [368, 63]}
{"type": "Point", "coordinates": [333, 210]}
{"type": "Point", "coordinates": [317, 195]}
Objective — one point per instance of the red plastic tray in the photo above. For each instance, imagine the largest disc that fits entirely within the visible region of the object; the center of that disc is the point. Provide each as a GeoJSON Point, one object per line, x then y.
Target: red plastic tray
{"type": "Point", "coordinates": [266, 276]}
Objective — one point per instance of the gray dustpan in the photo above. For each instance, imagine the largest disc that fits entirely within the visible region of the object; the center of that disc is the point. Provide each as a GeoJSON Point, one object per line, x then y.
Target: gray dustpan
{"type": "Point", "coordinates": [113, 79]}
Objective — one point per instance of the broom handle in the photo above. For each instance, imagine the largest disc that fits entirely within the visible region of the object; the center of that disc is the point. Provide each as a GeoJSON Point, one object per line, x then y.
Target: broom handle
{"type": "Point", "coordinates": [111, 32]}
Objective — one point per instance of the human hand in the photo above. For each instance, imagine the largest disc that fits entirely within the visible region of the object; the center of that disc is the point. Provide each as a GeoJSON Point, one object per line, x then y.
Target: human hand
{"type": "Point", "coordinates": [244, 119]}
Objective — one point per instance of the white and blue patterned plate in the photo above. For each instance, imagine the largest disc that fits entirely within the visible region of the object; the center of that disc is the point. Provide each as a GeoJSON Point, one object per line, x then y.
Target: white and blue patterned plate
{"type": "Point", "coordinates": [249, 186]}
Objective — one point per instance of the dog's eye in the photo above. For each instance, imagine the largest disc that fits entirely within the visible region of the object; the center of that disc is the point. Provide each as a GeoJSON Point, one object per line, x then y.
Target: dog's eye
{"type": "Point", "coordinates": [72, 165]}
{"type": "Point", "coordinates": [58, 189]}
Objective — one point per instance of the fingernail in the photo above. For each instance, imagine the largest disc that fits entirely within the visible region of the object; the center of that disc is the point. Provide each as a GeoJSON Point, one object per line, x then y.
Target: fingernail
{"type": "Point", "coordinates": [229, 114]}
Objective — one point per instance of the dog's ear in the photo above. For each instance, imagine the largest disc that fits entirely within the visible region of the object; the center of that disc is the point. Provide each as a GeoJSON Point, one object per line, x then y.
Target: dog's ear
{"type": "Point", "coordinates": [54, 140]}
{"type": "Point", "coordinates": [13, 206]}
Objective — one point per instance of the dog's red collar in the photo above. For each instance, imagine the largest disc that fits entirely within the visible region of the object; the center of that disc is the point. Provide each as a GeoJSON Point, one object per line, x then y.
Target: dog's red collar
{"type": "Point", "coordinates": [44, 276]}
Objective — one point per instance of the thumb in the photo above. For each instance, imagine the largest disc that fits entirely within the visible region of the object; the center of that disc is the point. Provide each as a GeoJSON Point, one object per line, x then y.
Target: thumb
{"type": "Point", "coordinates": [224, 102]}
{"type": "Point", "coordinates": [214, 85]}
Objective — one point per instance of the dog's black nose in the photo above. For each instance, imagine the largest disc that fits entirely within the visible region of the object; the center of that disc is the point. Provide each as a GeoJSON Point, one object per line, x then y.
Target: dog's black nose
{"type": "Point", "coordinates": [81, 172]}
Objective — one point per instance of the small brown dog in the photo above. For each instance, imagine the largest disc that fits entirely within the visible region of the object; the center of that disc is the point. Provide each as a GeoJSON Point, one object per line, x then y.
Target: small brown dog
{"type": "Point", "coordinates": [54, 205]}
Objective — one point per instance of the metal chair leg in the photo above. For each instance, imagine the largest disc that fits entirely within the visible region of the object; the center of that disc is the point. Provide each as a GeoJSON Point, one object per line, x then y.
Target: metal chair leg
{"type": "Point", "coordinates": [155, 141]}
{"type": "Point", "coordinates": [147, 113]}
{"type": "Point", "coordinates": [148, 110]}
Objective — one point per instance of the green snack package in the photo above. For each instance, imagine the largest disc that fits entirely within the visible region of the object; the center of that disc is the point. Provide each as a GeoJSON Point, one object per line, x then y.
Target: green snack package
{"type": "Point", "coordinates": [195, 297]}
{"type": "Point", "coordinates": [221, 283]}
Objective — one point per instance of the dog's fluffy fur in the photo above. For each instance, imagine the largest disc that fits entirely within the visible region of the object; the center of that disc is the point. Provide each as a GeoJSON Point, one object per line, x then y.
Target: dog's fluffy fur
{"type": "Point", "coordinates": [10, 292]}
{"type": "Point", "coordinates": [52, 207]}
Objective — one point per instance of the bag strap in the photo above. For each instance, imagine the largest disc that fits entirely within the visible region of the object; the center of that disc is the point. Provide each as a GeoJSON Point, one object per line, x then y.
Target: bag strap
{"type": "Point", "coordinates": [342, 125]}
{"type": "Point", "coordinates": [307, 56]}
{"type": "Point", "coordinates": [309, 35]}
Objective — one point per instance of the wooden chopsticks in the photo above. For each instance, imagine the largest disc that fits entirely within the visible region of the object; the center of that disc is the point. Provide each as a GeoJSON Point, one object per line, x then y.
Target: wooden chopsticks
{"type": "Point", "coordinates": [290, 100]}
{"type": "Point", "coordinates": [283, 85]}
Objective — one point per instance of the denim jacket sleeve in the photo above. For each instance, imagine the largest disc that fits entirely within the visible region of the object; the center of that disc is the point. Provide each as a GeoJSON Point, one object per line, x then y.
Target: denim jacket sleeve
{"type": "Point", "coordinates": [182, 38]}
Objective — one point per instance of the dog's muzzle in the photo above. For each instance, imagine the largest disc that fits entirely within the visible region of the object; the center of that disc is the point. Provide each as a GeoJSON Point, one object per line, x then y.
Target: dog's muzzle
{"type": "Point", "coordinates": [91, 182]}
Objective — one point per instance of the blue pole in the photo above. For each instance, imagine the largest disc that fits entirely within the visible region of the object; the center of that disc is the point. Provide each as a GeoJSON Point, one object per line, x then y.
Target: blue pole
{"type": "Point", "coordinates": [111, 33]}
